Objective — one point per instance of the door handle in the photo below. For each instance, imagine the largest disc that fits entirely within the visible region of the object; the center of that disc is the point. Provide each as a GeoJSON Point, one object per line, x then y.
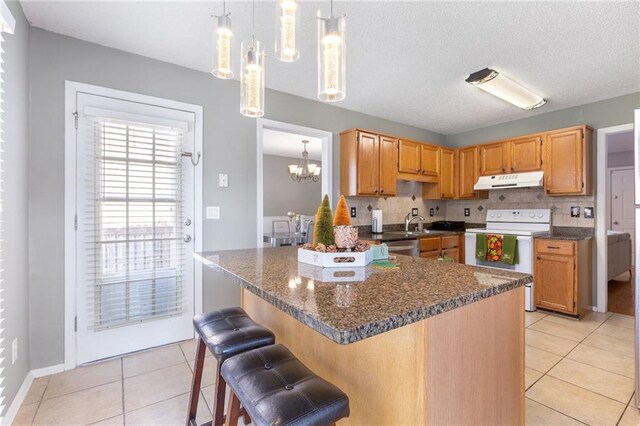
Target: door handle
{"type": "Point", "coordinates": [187, 222]}
{"type": "Point", "coordinates": [616, 223]}
{"type": "Point", "coordinates": [187, 238]}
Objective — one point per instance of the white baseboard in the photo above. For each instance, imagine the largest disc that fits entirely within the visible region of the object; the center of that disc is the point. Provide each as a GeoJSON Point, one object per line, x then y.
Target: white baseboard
{"type": "Point", "coordinates": [46, 371]}
{"type": "Point", "coordinates": [10, 416]}
{"type": "Point", "coordinates": [17, 401]}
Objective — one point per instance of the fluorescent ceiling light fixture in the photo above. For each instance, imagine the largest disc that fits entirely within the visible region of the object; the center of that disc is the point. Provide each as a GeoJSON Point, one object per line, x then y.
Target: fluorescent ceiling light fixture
{"type": "Point", "coordinates": [503, 87]}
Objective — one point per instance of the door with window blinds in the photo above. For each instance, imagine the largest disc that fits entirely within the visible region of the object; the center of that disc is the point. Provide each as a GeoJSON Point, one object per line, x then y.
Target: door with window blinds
{"type": "Point", "coordinates": [134, 223]}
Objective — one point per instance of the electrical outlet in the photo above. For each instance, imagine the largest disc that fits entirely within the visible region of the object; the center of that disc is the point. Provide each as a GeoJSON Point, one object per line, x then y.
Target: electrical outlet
{"type": "Point", "coordinates": [223, 180]}
{"type": "Point", "coordinates": [575, 211]}
{"type": "Point", "coordinates": [414, 211]}
{"type": "Point", "coordinates": [213, 212]}
{"type": "Point", "coordinates": [588, 212]}
{"type": "Point", "coordinates": [353, 212]}
{"type": "Point", "coordinates": [431, 212]}
{"type": "Point", "coordinates": [14, 351]}
{"type": "Point", "coordinates": [467, 212]}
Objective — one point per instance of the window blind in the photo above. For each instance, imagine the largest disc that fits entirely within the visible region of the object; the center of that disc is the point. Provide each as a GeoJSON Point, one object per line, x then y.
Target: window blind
{"type": "Point", "coordinates": [135, 248]}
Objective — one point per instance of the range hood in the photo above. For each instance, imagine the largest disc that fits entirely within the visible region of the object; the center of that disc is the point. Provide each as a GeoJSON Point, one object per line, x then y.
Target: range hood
{"type": "Point", "coordinates": [515, 180]}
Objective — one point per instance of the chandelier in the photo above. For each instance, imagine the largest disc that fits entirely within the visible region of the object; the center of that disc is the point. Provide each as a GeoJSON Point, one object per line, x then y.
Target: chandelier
{"type": "Point", "coordinates": [304, 170]}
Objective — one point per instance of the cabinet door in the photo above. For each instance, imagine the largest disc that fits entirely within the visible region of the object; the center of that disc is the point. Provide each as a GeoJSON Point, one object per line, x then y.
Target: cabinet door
{"type": "Point", "coordinates": [494, 159]}
{"type": "Point", "coordinates": [564, 163]}
{"type": "Point", "coordinates": [368, 167]}
{"type": "Point", "coordinates": [468, 171]}
{"type": "Point", "coordinates": [453, 254]}
{"type": "Point", "coordinates": [447, 173]}
{"type": "Point", "coordinates": [526, 154]}
{"type": "Point", "coordinates": [408, 157]}
{"type": "Point", "coordinates": [433, 255]}
{"type": "Point", "coordinates": [388, 166]}
{"type": "Point", "coordinates": [429, 160]}
{"type": "Point", "coordinates": [554, 282]}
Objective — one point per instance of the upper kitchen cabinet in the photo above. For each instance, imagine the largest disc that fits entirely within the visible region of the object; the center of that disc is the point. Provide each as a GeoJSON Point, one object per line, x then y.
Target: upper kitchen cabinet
{"type": "Point", "coordinates": [418, 161]}
{"type": "Point", "coordinates": [567, 161]}
{"type": "Point", "coordinates": [494, 159]}
{"type": "Point", "coordinates": [409, 157]}
{"type": "Point", "coordinates": [367, 164]}
{"type": "Point", "coordinates": [526, 154]}
{"type": "Point", "coordinates": [468, 171]}
{"type": "Point", "coordinates": [445, 187]}
{"type": "Point", "coordinates": [388, 166]}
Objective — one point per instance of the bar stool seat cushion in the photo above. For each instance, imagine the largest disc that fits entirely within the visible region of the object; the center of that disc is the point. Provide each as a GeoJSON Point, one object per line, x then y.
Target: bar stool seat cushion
{"type": "Point", "coordinates": [230, 331]}
{"type": "Point", "coordinates": [277, 389]}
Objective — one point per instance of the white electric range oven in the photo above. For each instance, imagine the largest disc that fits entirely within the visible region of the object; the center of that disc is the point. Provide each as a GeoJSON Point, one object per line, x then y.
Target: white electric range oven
{"type": "Point", "coordinates": [525, 224]}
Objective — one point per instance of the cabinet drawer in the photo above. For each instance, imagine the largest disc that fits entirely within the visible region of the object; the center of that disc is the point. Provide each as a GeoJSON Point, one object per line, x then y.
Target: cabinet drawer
{"type": "Point", "coordinates": [435, 255]}
{"type": "Point", "coordinates": [452, 241]}
{"type": "Point", "coordinates": [566, 248]}
{"type": "Point", "coordinates": [430, 244]}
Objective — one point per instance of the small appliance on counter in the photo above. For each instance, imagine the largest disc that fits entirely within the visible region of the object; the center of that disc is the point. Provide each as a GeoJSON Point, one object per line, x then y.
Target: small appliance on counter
{"type": "Point", "coordinates": [376, 221]}
{"type": "Point", "coordinates": [447, 225]}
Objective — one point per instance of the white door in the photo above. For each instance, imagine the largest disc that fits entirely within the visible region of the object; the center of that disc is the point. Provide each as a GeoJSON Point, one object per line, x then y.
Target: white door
{"type": "Point", "coordinates": [623, 203]}
{"type": "Point", "coordinates": [135, 206]}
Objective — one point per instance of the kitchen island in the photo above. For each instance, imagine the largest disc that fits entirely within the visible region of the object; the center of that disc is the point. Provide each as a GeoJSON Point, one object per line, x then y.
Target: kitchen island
{"type": "Point", "coordinates": [428, 343]}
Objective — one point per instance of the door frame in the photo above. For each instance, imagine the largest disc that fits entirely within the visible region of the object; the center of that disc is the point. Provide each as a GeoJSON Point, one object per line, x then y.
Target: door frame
{"type": "Point", "coordinates": [603, 212]}
{"type": "Point", "coordinates": [327, 162]}
{"type": "Point", "coordinates": [72, 88]}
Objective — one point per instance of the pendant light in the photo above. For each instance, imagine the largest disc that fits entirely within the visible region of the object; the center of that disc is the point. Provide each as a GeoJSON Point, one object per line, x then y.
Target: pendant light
{"type": "Point", "coordinates": [252, 75]}
{"type": "Point", "coordinates": [287, 23]}
{"type": "Point", "coordinates": [331, 58]}
{"type": "Point", "coordinates": [222, 67]}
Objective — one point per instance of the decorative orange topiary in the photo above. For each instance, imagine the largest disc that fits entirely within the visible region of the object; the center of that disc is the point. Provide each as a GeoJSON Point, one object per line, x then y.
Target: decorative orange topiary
{"type": "Point", "coordinates": [342, 217]}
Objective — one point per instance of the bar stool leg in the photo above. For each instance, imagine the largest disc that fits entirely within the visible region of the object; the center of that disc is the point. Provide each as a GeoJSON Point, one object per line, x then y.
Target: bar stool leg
{"type": "Point", "coordinates": [233, 411]}
{"type": "Point", "coordinates": [195, 384]}
{"type": "Point", "coordinates": [246, 417]}
{"type": "Point", "coordinates": [218, 409]}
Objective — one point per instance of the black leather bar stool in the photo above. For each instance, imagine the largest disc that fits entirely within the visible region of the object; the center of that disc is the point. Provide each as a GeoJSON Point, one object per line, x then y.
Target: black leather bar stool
{"type": "Point", "coordinates": [275, 388]}
{"type": "Point", "coordinates": [226, 332]}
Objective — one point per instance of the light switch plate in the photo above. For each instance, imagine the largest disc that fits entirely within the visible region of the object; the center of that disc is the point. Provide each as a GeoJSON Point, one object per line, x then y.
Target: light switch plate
{"type": "Point", "coordinates": [431, 212]}
{"type": "Point", "coordinates": [575, 211]}
{"type": "Point", "coordinates": [353, 212]}
{"type": "Point", "coordinates": [14, 351]}
{"type": "Point", "coordinates": [467, 212]}
{"type": "Point", "coordinates": [414, 211]}
{"type": "Point", "coordinates": [223, 180]}
{"type": "Point", "coordinates": [213, 212]}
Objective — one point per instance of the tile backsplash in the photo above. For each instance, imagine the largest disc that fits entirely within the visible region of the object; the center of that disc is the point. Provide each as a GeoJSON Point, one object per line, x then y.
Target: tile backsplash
{"type": "Point", "coordinates": [394, 209]}
{"type": "Point", "coordinates": [525, 198]}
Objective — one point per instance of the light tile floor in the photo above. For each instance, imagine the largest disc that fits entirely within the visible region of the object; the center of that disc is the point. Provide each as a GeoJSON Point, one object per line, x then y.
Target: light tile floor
{"type": "Point", "coordinates": [577, 372]}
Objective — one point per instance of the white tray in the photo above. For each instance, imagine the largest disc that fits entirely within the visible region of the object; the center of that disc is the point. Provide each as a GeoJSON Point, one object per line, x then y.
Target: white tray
{"type": "Point", "coordinates": [333, 275]}
{"type": "Point", "coordinates": [330, 260]}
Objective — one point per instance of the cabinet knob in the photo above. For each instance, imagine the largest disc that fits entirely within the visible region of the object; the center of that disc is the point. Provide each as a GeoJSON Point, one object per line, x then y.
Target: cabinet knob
{"type": "Point", "coordinates": [381, 191]}
{"type": "Point", "coordinates": [539, 258]}
{"type": "Point", "coordinates": [503, 169]}
{"type": "Point", "coordinates": [442, 195]}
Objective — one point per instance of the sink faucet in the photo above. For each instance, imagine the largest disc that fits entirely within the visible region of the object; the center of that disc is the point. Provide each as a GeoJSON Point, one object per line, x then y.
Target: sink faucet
{"type": "Point", "coordinates": [408, 219]}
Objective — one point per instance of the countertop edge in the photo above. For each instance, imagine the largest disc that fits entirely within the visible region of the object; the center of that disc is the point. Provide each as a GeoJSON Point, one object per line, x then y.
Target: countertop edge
{"type": "Point", "coordinates": [364, 331]}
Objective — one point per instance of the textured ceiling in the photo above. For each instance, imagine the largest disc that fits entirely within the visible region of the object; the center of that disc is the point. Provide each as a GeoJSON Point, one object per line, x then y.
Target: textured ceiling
{"type": "Point", "coordinates": [406, 60]}
{"type": "Point", "coordinates": [285, 144]}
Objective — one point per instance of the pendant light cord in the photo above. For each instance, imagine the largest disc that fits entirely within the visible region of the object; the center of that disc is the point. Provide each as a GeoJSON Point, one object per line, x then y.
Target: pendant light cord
{"type": "Point", "coordinates": [332, 8]}
{"type": "Point", "coordinates": [253, 20]}
{"type": "Point", "coordinates": [224, 7]}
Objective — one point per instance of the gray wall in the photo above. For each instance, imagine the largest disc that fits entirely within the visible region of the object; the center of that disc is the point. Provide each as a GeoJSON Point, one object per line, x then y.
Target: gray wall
{"type": "Point", "coordinates": [610, 112]}
{"type": "Point", "coordinates": [15, 202]}
{"type": "Point", "coordinates": [282, 194]}
{"type": "Point", "coordinates": [620, 159]}
{"type": "Point", "coordinates": [229, 147]}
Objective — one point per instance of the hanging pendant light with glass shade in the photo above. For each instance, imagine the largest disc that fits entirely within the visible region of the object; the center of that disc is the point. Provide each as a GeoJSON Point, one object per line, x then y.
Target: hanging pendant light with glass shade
{"type": "Point", "coordinates": [222, 67]}
{"type": "Point", "coordinates": [252, 76]}
{"type": "Point", "coordinates": [331, 58]}
{"type": "Point", "coordinates": [287, 24]}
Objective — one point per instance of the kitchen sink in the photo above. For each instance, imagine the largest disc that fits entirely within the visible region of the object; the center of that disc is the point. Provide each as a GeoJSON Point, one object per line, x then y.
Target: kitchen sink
{"type": "Point", "coordinates": [416, 233]}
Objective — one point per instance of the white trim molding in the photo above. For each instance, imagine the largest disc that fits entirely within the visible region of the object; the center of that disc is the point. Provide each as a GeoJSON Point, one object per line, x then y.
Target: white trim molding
{"type": "Point", "coordinates": [327, 162]}
{"type": "Point", "coordinates": [72, 89]}
{"type": "Point", "coordinates": [603, 211]}
{"type": "Point", "coordinates": [13, 409]}
{"type": "Point", "coordinates": [7, 22]}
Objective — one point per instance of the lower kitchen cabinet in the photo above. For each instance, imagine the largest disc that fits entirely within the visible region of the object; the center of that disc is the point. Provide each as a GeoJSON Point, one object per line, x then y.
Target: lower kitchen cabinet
{"type": "Point", "coordinates": [436, 247]}
{"type": "Point", "coordinates": [430, 247]}
{"type": "Point", "coordinates": [562, 275]}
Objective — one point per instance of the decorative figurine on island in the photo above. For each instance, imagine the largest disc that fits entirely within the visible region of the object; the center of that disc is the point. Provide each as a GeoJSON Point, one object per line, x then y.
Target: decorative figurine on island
{"type": "Point", "coordinates": [335, 234]}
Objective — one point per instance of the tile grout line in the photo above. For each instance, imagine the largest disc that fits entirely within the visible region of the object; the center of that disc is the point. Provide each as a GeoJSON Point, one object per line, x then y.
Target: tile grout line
{"type": "Point", "coordinates": [625, 409]}
{"type": "Point", "coordinates": [565, 356]}
{"type": "Point", "coordinates": [559, 412]}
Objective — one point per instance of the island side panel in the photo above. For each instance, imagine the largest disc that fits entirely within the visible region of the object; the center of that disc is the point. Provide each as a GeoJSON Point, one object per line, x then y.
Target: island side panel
{"type": "Point", "coordinates": [383, 375]}
{"type": "Point", "coordinates": [475, 363]}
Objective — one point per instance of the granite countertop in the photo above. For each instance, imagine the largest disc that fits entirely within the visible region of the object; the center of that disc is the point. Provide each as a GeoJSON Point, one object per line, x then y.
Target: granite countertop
{"type": "Point", "coordinates": [350, 311]}
{"type": "Point", "coordinates": [569, 233]}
